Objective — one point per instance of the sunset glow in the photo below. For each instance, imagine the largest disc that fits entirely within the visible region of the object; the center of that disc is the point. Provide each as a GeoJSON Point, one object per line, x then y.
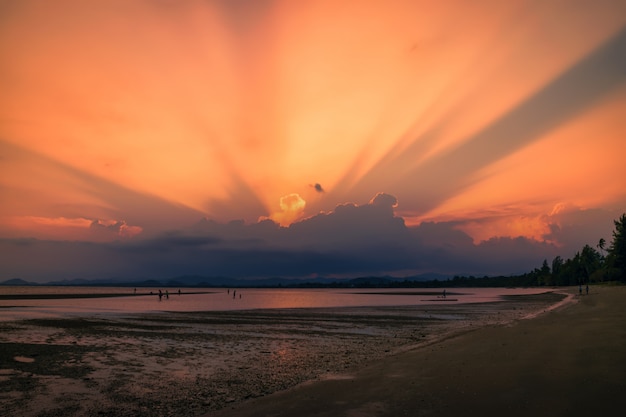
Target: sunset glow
{"type": "Point", "coordinates": [125, 120]}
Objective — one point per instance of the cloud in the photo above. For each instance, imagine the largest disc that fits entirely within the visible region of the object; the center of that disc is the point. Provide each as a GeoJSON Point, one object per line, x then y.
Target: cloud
{"type": "Point", "coordinates": [73, 228]}
{"type": "Point", "coordinates": [292, 208]}
{"type": "Point", "coordinates": [573, 227]}
{"type": "Point", "coordinates": [351, 240]}
{"type": "Point", "coordinates": [61, 191]}
{"type": "Point", "coordinates": [384, 200]}
{"type": "Point", "coordinates": [352, 227]}
{"type": "Point", "coordinates": [114, 228]}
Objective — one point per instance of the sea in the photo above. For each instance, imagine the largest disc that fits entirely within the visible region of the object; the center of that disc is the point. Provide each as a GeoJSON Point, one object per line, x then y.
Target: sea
{"type": "Point", "coordinates": [19, 302]}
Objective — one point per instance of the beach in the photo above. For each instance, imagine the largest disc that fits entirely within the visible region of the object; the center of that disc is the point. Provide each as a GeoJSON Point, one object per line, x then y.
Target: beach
{"type": "Point", "coordinates": [358, 361]}
{"type": "Point", "coordinates": [569, 361]}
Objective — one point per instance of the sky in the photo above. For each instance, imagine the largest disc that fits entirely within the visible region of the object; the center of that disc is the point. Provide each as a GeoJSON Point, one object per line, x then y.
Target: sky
{"type": "Point", "coordinates": [158, 138]}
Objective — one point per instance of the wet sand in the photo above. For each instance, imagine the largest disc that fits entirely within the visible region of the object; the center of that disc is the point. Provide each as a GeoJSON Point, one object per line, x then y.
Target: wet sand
{"type": "Point", "coordinates": [344, 361]}
{"type": "Point", "coordinates": [570, 361]}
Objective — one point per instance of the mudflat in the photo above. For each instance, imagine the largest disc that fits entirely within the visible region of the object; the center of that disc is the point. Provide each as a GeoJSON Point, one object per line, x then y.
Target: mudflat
{"type": "Point", "coordinates": [415, 360]}
{"type": "Point", "coordinates": [570, 361]}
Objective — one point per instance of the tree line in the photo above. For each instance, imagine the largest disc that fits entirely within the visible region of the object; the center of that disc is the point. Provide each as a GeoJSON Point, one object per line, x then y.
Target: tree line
{"type": "Point", "coordinates": [589, 265]}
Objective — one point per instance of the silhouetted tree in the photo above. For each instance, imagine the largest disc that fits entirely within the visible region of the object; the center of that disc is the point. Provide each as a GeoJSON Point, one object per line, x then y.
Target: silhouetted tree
{"type": "Point", "coordinates": [601, 244]}
{"type": "Point", "coordinates": [544, 276]}
{"type": "Point", "coordinates": [557, 270]}
{"type": "Point", "coordinates": [590, 262]}
{"type": "Point", "coordinates": [617, 252]}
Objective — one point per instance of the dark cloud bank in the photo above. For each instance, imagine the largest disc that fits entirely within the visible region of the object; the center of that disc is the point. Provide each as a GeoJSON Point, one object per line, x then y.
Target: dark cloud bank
{"type": "Point", "coordinates": [352, 240]}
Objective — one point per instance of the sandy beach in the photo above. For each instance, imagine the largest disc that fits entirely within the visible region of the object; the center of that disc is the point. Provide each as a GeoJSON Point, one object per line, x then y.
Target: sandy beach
{"type": "Point", "coordinates": [426, 360]}
{"type": "Point", "coordinates": [570, 361]}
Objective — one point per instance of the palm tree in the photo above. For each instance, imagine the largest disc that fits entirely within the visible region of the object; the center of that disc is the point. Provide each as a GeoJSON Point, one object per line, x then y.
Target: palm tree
{"type": "Point", "coordinates": [601, 245]}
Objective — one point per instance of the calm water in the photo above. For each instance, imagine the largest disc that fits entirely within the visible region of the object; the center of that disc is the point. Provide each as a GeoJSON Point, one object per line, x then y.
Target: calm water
{"type": "Point", "coordinates": [221, 299]}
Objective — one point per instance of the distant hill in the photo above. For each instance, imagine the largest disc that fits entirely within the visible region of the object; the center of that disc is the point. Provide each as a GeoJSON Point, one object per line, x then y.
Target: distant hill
{"type": "Point", "coordinates": [17, 282]}
{"type": "Point", "coordinates": [220, 281]}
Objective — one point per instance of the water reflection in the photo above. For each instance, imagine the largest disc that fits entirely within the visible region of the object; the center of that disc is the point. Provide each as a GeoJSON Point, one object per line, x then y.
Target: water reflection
{"type": "Point", "coordinates": [67, 300]}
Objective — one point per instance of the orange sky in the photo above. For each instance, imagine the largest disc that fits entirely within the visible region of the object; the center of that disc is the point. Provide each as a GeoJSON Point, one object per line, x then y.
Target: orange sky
{"type": "Point", "coordinates": [148, 115]}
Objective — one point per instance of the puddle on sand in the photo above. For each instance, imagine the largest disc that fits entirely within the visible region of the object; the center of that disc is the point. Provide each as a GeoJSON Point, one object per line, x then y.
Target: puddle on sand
{"type": "Point", "coordinates": [23, 359]}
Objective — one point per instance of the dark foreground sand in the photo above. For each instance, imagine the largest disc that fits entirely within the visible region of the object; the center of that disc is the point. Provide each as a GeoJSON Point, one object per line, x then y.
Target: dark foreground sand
{"type": "Point", "coordinates": [566, 362]}
{"type": "Point", "coordinates": [423, 360]}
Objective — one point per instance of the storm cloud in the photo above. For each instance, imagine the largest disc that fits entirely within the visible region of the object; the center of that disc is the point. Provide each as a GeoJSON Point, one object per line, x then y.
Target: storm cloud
{"type": "Point", "coordinates": [351, 240]}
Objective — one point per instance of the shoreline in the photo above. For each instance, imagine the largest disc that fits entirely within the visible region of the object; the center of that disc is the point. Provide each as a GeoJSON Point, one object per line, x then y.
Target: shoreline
{"type": "Point", "coordinates": [565, 360]}
{"type": "Point", "coordinates": [79, 296]}
{"type": "Point", "coordinates": [192, 364]}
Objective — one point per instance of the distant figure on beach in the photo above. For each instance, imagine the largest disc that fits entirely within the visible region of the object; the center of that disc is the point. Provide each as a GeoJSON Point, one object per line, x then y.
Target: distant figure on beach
{"type": "Point", "coordinates": [587, 289]}
{"type": "Point", "coordinates": [160, 295]}
{"type": "Point", "coordinates": [444, 293]}
{"type": "Point", "coordinates": [179, 291]}
{"type": "Point", "coordinates": [228, 291]}
{"type": "Point", "coordinates": [240, 296]}
{"type": "Point", "coordinates": [135, 291]}
{"type": "Point", "coordinates": [234, 293]}
{"type": "Point", "coordinates": [167, 294]}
